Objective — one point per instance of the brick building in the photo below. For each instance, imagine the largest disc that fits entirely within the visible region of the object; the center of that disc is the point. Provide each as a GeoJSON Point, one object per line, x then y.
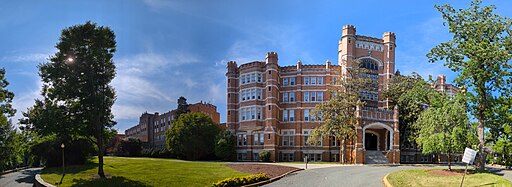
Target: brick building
{"type": "Point", "coordinates": [152, 127]}
{"type": "Point", "coordinates": [269, 106]}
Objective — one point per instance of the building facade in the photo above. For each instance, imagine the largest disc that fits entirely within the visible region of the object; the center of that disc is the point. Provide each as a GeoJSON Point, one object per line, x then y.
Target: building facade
{"type": "Point", "coordinates": [152, 127]}
{"type": "Point", "coordinates": [269, 107]}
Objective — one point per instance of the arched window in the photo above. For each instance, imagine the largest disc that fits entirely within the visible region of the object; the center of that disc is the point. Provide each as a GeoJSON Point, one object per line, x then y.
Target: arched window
{"type": "Point", "coordinates": [369, 63]}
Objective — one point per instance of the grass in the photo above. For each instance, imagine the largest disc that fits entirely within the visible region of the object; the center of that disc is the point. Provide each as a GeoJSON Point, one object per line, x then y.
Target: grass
{"type": "Point", "coordinates": [422, 178]}
{"type": "Point", "coordinates": [142, 172]}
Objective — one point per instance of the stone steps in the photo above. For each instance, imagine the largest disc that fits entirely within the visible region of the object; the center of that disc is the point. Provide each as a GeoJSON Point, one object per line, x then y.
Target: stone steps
{"type": "Point", "coordinates": [376, 157]}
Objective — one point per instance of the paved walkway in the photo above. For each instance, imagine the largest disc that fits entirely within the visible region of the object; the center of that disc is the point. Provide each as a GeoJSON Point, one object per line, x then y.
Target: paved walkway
{"type": "Point", "coordinates": [20, 178]}
{"type": "Point", "coordinates": [345, 175]}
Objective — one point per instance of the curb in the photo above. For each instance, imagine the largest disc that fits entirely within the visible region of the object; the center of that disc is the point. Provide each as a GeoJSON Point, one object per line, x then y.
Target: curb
{"type": "Point", "coordinates": [272, 179]}
{"type": "Point", "coordinates": [39, 182]}
{"type": "Point", "coordinates": [13, 170]}
{"type": "Point", "coordinates": [386, 182]}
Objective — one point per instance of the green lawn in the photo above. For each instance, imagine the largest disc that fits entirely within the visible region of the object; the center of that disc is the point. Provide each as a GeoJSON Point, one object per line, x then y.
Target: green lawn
{"type": "Point", "coordinates": [143, 172]}
{"type": "Point", "coordinates": [422, 178]}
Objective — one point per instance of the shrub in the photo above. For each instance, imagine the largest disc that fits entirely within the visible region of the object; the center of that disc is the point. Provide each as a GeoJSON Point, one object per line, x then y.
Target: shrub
{"type": "Point", "coordinates": [240, 181]}
{"type": "Point", "coordinates": [225, 146]}
{"type": "Point", "coordinates": [265, 156]}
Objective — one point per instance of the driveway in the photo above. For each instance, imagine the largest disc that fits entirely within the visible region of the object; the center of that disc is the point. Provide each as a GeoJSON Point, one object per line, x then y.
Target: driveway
{"type": "Point", "coordinates": [349, 175]}
{"type": "Point", "coordinates": [19, 178]}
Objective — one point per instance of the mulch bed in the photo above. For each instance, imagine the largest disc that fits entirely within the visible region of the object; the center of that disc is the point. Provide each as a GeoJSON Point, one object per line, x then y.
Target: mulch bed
{"type": "Point", "coordinates": [271, 170]}
{"type": "Point", "coordinates": [443, 172]}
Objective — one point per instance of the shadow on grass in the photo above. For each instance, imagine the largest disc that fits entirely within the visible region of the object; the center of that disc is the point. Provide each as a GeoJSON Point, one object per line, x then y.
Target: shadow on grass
{"type": "Point", "coordinates": [70, 169]}
{"type": "Point", "coordinates": [114, 181]}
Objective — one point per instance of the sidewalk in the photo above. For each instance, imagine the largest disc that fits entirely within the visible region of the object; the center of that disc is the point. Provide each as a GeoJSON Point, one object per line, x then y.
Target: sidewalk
{"type": "Point", "coordinates": [500, 170]}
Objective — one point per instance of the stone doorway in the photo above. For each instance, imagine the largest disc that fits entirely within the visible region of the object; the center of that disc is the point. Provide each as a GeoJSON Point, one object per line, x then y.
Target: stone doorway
{"type": "Point", "coordinates": [371, 142]}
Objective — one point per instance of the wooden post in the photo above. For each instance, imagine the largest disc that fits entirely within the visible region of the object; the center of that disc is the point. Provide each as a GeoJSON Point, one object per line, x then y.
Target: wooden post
{"type": "Point", "coordinates": [465, 170]}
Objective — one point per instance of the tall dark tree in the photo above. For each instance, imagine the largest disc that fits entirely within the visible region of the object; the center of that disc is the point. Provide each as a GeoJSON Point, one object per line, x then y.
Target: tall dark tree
{"type": "Point", "coordinates": [7, 131]}
{"type": "Point", "coordinates": [480, 52]}
{"type": "Point", "coordinates": [77, 82]}
{"type": "Point", "coordinates": [182, 107]}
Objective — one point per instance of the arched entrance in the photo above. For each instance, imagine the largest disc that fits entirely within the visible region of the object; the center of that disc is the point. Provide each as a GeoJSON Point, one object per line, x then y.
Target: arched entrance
{"type": "Point", "coordinates": [371, 141]}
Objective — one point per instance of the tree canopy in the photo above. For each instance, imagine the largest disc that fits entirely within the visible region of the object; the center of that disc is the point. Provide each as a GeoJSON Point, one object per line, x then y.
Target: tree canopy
{"type": "Point", "coordinates": [77, 95]}
{"type": "Point", "coordinates": [192, 136]}
{"type": "Point", "coordinates": [480, 52]}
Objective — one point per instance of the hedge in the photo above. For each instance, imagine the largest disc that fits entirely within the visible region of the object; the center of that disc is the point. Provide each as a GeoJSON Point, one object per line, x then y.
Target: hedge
{"type": "Point", "coordinates": [240, 181]}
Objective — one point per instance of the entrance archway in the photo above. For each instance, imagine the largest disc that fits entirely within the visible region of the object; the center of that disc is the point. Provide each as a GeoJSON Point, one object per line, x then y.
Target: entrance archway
{"type": "Point", "coordinates": [371, 142]}
{"type": "Point", "coordinates": [368, 136]}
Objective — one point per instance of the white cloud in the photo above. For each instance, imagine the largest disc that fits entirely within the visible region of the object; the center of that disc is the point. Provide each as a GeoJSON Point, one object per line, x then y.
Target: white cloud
{"type": "Point", "coordinates": [33, 57]}
{"type": "Point", "coordinates": [127, 111]}
{"type": "Point", "coordinates": [24, 100]}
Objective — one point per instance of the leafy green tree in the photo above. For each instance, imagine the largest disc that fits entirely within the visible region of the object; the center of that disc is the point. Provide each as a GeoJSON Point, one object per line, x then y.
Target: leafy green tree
{"type": "Point", "coordinates": [500, 130]}
{"type": "Point", "coordinates": [411, 94]}
{"type": "Point", "coordinates": [225, 145]}
{"type": "Point", "coordinates": [192, 136]}
{"type": "Point", "coordinates": [76, 85]}
{"type": "Point", "coordinates": [264, 155]}
{"type": "Point", "coordinates": [444, 127]}
{"type": "Point", "coordinates": [479, 52]}
{"type": "Point", "coordinates": [338, 114]}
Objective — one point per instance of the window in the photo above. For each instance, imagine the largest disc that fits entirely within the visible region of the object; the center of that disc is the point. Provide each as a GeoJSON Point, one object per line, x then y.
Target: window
{"type": "Point", "coordinates": [285, 115]}
{"type": "Point", "coordinates": [250, 78]}
{"type": "Point", "coordinates": [292, 81]}
{"type": "Point", "coordinates": [313, 96]}
{"type": "Point", "coordinates": [307, 133]}
{"type": "Point", "coordinates": [285, 97]}
{"type": "Point", "coordinates": [255, 142]}
{"type": "Point", "coordinates": [313, 80]}
{"type": "Point", "coordinates": [306, 80]}
{"type": "Point", "coordinates": [334, 80]}
{"type": "Point", "coordinates": [262, 136]}
{"type": "Point", "coordinates": [288, 138]}
{"type": "Point", "coordinates": [292, 115]}
{"type": "Point", "coordinates": [250, 113]}
{"type": "Point", "coordinates": [287, 157]}
{"type": "Point", "coordinates": [285, 82]}
{"type": "Point", "coordinates": [306, 115]}
{"type": "Point", "coordinates": [244, 139]}
{"type": "Point", "coordinates": [292, 97]}
{"type": "Point", "coordinates": [306, 96]}
{"type": "Point", "coordinates": [256, 156]}
{"type": "Point", "coordinates": [242, 156]}
{"type": "Point", "coordinates": [320, 80]}
{"type": "Point", "coordinates": [320, 96]}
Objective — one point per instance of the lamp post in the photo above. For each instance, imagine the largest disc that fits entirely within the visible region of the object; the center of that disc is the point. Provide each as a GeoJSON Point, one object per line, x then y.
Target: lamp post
{"type": "Point", "coordinates": [62, 146]}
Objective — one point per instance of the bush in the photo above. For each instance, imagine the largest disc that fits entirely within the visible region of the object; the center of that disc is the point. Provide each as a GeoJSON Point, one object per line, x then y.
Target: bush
{"type": "Point", "coordinates": [225, 146]}
{"type": "Point", "coordinates": [130, 148]}
{"type": "Point", "coordinates": [49, 151]}
{"type": "Point", "coordinates": [192, 136]}
{"type": "Point", "coordinates": [265, 156]}
{"type": "Point", "coordinates": [240, 181]}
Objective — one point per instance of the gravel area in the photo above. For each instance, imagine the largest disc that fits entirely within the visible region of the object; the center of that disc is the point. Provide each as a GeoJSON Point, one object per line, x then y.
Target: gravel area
{"type": "Point", "coordinates": [271, 170]}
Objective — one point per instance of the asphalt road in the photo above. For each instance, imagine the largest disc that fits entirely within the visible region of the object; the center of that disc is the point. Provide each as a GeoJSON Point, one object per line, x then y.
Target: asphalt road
{"type": "Point", "coordinates": [365, 175]}
{"type": "Point", "coordinates": [19, 178]}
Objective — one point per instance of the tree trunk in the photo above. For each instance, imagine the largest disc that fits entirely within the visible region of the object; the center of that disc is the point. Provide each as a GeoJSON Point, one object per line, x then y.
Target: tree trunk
{"type": "Point", "coordinates": [100, 147]}
{"type": "Point", "coordinates": [100, 157]}
{"type": "Point", "coordinates": [449, 161]}
{"type": "Point", "coordinates": [481, 161]}
{"type": "Point", "coordinates": [343, 148]}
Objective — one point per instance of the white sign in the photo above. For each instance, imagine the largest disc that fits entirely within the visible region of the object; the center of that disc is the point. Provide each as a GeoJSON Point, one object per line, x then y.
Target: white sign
{"type": "Point", "coordinates": [469, 156]}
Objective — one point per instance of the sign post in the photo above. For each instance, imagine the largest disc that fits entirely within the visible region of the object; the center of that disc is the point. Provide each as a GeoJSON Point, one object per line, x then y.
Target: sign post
{"type": "Point", "coordinates": [306, 160]}
{"type": "Point", "coordinates": [469, 158]}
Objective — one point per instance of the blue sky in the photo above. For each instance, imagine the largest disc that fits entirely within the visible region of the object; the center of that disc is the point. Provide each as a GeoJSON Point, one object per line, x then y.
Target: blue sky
{"type": "Point", "coordinates": [167, 49]}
